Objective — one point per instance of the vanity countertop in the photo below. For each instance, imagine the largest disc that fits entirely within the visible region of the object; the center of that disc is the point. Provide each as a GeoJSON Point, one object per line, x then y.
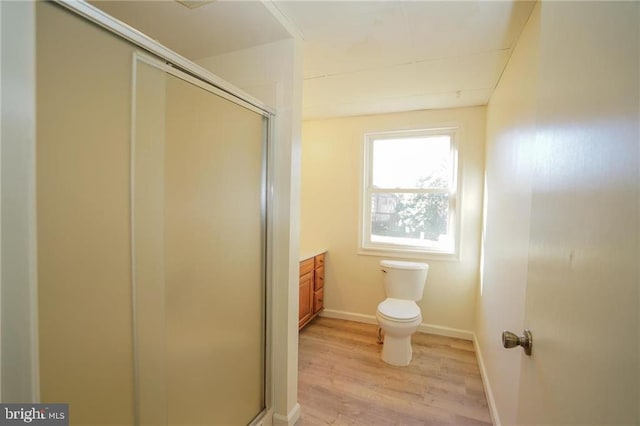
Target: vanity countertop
{"type": "Point", "coordinates": [311, 253]}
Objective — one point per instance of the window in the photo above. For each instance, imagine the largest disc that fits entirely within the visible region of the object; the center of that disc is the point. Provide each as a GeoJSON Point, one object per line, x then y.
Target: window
{"type": "Point", "coordinates": [410, 202]}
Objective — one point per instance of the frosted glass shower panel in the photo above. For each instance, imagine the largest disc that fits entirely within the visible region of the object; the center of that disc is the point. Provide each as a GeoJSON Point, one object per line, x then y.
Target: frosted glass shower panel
{"type": "Point", "coordinates": [199, 238]}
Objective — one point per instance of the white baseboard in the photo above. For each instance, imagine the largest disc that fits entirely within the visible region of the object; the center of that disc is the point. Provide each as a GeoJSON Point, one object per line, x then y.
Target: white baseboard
{"type": "Point", "coordinates": [493, 409]}
{"type": "Point", "coordinates": [424, 328]}
{"type": "Point", "coordinates": [349, 316]}
{"type": "Point", "coordinates": [446, 331]}
{"type": "Point", "coordinates": [290, 419]}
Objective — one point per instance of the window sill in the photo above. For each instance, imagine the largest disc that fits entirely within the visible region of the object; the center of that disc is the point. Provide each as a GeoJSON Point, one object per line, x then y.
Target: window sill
{"type": "Point", "coordinates": [409, 254]}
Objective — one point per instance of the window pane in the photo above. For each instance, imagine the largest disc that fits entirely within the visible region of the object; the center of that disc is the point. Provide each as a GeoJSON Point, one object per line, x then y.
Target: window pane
{"type": "Point", "coordinates": [415, 162]}
{"type": "Point", "coordinates": [410, 219]}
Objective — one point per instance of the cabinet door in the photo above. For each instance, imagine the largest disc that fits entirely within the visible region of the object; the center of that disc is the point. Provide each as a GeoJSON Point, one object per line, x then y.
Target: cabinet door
{"type": "Point", "coordinates": [306, 298]}
{"type": "Point", "coordinates": [318, 301]}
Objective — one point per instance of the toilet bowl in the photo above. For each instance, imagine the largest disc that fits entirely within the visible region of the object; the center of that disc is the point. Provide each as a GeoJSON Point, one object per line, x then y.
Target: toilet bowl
{"type": "Point", "coordinates": [399, 319]}
{"type": "Point", "coordinates": [398, 315]}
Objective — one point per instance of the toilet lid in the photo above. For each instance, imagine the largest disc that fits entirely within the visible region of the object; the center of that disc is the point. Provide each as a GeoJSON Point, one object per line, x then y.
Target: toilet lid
{"type": "Point", "coordinates": [400, 264]}
{"type": "Point", "coordinates": [399, 310]}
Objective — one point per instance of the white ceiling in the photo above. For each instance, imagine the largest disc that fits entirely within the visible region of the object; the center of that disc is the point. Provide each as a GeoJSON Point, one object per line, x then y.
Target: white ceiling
{"type": "Point", "coordinates": [210, 29]}
{"type": "Point", "coordinates": [364, 57]}
{"type": "Point", "coordinates": [361, 57]}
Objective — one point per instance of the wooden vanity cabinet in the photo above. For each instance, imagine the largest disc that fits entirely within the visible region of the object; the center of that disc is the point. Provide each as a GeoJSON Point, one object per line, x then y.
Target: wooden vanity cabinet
{"type": "Point", "coordinates": [311, 289]}
{"type": "Point", "coordinates": [305, 311]}
{"type": "Point", "coordinates": [318, 283]}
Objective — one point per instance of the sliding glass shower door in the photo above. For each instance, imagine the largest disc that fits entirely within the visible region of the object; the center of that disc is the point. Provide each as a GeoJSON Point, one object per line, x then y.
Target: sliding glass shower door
{"type": "Point", "coordinates": [151, 235]}
{"type": "Point", "coordinates": [199, 249]}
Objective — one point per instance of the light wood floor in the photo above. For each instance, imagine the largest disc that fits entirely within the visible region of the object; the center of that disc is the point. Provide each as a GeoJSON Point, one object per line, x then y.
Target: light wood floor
{"type": "Point", "coordinates": [343, 381]}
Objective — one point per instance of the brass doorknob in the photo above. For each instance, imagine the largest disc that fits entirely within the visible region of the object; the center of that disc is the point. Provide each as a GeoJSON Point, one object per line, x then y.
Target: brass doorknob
{"type": "Point", "coordinates": [511, 340]}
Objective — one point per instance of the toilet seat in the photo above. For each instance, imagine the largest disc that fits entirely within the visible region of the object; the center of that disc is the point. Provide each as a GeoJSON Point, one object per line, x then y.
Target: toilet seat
{"type": "Point", "coordinates": [398, 310]}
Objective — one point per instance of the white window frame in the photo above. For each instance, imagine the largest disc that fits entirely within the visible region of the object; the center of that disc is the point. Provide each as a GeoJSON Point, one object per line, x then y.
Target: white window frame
{"type": "Point", "coordinates": [368, 247]}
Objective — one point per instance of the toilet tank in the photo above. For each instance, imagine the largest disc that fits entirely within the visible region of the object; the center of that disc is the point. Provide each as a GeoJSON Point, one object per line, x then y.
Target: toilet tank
{"type": "Point", "coordinates": [404, 280]}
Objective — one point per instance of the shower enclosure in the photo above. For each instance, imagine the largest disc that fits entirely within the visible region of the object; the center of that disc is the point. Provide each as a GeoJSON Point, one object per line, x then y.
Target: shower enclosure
{"type": "Point", "coordinates": [151, 216]}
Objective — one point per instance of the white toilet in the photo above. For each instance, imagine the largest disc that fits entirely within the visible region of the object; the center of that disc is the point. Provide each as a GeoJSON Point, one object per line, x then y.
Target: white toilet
{"type": "Point", "coordinates": [398, 315]}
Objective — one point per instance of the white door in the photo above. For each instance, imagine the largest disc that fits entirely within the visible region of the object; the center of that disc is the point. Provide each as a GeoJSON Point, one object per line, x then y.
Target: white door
{"type": "Point", "coordinates": [582, 292]}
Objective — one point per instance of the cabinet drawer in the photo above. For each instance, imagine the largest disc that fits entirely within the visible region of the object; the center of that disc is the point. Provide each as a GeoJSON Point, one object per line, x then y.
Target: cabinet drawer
{"type": "Point", "coordinates": [318, 300]}
{"type": "Point", "coordinates": [319, 279]}
{"type": "Point", "coordinates": [319, 260]}
{"type": "Point", "coordinates": [306, 266]}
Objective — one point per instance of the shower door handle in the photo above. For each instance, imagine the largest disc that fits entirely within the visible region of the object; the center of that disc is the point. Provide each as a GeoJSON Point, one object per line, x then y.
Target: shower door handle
{"type": "Point", "coordinates": [511, 340]}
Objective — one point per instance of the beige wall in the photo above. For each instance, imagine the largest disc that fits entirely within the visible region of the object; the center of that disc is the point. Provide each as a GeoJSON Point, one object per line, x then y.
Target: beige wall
{"type": "Point", "coordinates": [257, 70]}
{"type": "Point", "coordinates": [331, 175]}
{"type": "Point", "coordinates": [511, 134]}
